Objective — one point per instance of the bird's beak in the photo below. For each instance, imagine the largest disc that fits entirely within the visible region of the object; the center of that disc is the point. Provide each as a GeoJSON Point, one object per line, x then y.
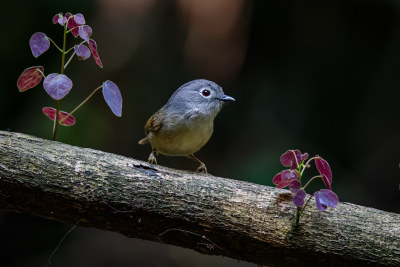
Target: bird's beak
{"type": "Point", "coordinates": [226, 98]}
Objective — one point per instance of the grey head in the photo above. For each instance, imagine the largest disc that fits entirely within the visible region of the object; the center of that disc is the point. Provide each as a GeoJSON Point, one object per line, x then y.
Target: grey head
{"type": "Point", "coordinates": [198, 97]}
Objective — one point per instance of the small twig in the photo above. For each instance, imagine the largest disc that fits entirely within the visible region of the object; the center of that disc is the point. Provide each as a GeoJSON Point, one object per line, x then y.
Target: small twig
{"type": "Point", "coordinates": [69, 60]}
{"type": "Point", "coordinates": [59, 243]}
{"type": "Point", "coordinates": [44, 76]}
{"type": "Point", "coordinates": [309, 181]}
{"type": "Point", "coordinates": [83, 102]}
{"type": "Point", "coordinates": [305, 205]}
{"type": "Point", "coordinates": [55, 44]}
{"type": "Point", "coordinates": [307, 164]}
{"type": "Point", "coordinates": [192, 233]}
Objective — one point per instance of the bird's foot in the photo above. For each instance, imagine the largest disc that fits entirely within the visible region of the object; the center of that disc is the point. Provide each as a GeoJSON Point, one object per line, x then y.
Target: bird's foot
{"type": "Point", "coordinates": [202, 168]}
{"type": "Point", "coordinates": [152, 159]}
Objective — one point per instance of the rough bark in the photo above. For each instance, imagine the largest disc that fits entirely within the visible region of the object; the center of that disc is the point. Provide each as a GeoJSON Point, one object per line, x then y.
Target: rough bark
{"type": "Point", "coordinates": [209, 214]}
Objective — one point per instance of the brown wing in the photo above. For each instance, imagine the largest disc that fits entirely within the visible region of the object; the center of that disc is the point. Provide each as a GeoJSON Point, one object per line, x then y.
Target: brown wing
{"type": "Point", "coordinates": [154, 124]}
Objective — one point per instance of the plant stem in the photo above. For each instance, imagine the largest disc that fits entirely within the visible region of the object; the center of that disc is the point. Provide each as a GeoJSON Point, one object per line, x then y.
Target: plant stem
{"type": "Point", "coordinates": [300, 211]}
{"type": "Point", "coordinates": [83, 102]}
{"type": "Point", "coordinates": [305, 205]}
{"type": "Point", "coordinates": [44, 76]}
{"type": "Point", "coordinates": [305, 165]}
{"type": "Point", "coordinates": [72, 28]}
{"type": "Point", "coordinates": [315, 177]}
{"type": "Point", "coordinates": [55, 125]}
{"type": "Point", "coordinates": [55, 44]}
{"type": "Point", "coordinates": [296, 224]}
{"type": "Point", "coordinates": [69, 60]}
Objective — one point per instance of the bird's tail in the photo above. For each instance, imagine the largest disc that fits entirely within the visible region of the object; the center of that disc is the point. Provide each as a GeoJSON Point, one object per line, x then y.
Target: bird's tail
{"type": "Point", "coordinates": [144, 141]}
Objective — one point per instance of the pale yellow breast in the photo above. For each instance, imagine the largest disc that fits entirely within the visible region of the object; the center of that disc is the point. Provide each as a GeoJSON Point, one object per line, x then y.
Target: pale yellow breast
{"type": "Point", "coordinates": [182, 140]}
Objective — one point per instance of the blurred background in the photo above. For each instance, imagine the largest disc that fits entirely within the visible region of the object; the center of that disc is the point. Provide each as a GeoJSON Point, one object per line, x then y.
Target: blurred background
{"type": "Point", "coordinates": [319, 76]}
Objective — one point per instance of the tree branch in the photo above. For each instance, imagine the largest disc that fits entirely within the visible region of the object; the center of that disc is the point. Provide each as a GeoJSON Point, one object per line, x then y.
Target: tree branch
{"type": "Point", "coordinates": [211, 215]}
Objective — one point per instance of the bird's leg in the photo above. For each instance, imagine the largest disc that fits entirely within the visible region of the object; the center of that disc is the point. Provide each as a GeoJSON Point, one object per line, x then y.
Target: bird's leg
{"type": "Point", "coordinates": [202, 167]}
{"type": "Point", "coordinates": [152, 157]}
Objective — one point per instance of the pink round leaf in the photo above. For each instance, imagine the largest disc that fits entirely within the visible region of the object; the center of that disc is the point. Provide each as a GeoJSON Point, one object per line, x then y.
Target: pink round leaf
{"type": "Point", "coordinates": [304, 156]}
{"type": "Point", "coordinates": [288, 159]}
{"type": "Point", "coordinates": [284, 178]}
{"type": "Point", "coordinates": [326, 182]}
{"type": "Point", "coordinates": [277, 178]}
{"type": "Point", "coordinates": [325, 198]}
{"type": "Point", "coordinates": [73, 26]}
{"type": "Point", "coordinates": [325, 171]}
{"type": "Point", "coordinates": [51, 114]}
{"type": "Point", "coordinates": [39, 43]}
{"type": "Point", "coordinates": [57, 85]}
{"type": "Point", "coordinates": [69, 121]}
{"type": "Point", "coordinates": [113, 97]}
{"type": "Point", "coordinates": [82, 51]}
{"type": "Point", "coordinates": [93, 48]}
{"type": "Point", "coordinates": [85, 32]}
{"type": "Point", "coordinates": [293, 158]}
{"type": "Point", "coordinates": [56, 17]}
{"type": "Point", "coordinates": [298, 198]}
{"type": "Point", "coordinates": [29, 78]}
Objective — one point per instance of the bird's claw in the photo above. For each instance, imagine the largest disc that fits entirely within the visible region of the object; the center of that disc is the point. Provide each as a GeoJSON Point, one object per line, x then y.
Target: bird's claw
{"type": "Point", "coordinates": [202, 168]}
{"type": "Point", "coordinates": [152, 159]}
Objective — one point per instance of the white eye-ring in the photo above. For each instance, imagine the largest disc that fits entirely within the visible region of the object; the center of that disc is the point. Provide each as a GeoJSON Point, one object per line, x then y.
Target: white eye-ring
{"type": "Point", "coordinates": [205, 92]}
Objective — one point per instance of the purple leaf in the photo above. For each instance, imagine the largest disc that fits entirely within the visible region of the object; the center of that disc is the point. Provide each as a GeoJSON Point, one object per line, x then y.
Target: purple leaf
{"type": "Point", "coordinates": [325, 171]}
{"type": "Point", "coordinates": [293, 158]}
{"type": "Point", "coordinates": [79, 19]}
{"type": "Point", "coordinates": [284, 178]}
{"type": "Point", "coordinates": [289, 174]}
{"type": "Point", "coordinates": [298, 198]}
{"type": "Point", "coordinates": [93, 48]}
{"type": "Point", "coordinates": [85, 32]}
{"type": "Point", "coordinates": [39, 43]}
{"type": "Point", "coordinates": [29, 78]}
{"type": "Point", "coordinates": [51, 114]}
{"type": "Point", "coordinates": [325, 198]}
{"type": "Point", "coordinates": [56, 17]}
{"type": "Point", "coordinates": [62, 21]}
{"type": "Point", "coordinates": [82, 51]}
{"type": "Point", "coordinates": [113, 97]}
{"type": "Point", "coordinates": [294, 186]}
{"type": "Point", "coordinates": [57, 85]}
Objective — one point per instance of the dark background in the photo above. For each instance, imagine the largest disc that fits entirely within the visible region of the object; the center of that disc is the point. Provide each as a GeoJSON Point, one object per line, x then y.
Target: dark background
{"type": "Point", "coordinates": [319, 76]}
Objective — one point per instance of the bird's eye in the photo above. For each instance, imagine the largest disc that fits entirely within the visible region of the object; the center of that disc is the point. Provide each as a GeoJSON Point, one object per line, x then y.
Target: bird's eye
{"type": "Point", "coordinates": [205, 92]}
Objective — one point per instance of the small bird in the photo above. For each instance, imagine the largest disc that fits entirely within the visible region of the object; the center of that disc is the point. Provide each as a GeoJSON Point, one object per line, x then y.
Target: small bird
{"type": "Point", "coordinates": [185, 124]}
